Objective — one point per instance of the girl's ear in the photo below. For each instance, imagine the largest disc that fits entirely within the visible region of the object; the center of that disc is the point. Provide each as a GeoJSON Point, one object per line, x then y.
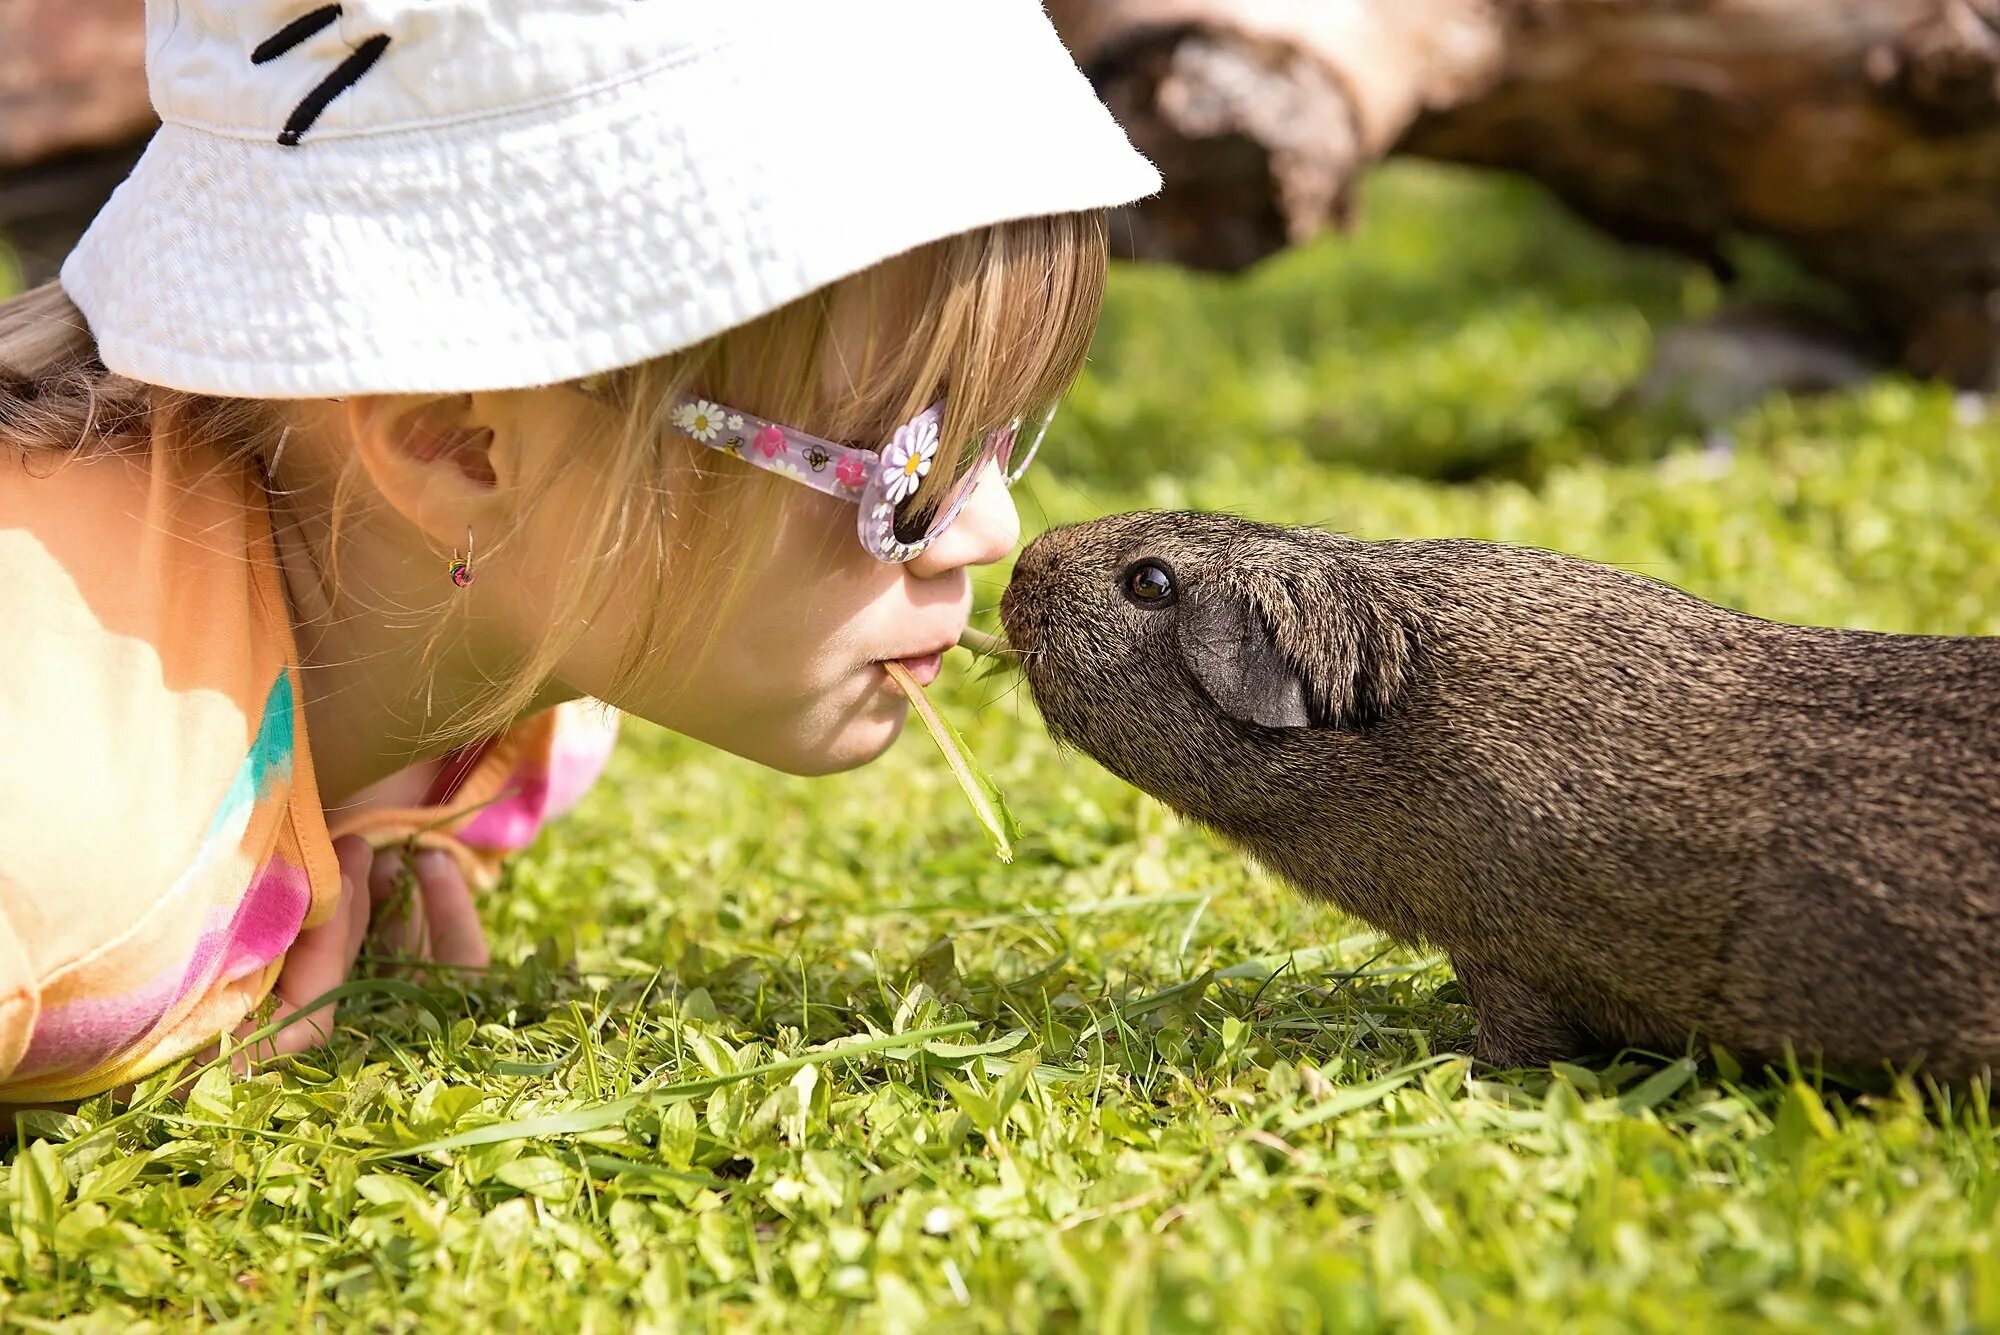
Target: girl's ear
{"type": "Point", "coordinates": [431, 457]}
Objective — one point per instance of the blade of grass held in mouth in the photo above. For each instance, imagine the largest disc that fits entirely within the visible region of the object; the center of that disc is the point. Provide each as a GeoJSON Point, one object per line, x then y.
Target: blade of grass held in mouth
{"type": "Point", "coordinates": [987, 804]}
{"type": "Point", "coordinates": [980, 643]}
{"type": "Point", "coordinates": [991, 650]}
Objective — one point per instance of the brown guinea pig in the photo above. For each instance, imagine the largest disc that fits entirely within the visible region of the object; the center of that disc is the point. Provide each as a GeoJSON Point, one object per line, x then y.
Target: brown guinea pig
{"type": "Point", "coordinates": [1625, 814]}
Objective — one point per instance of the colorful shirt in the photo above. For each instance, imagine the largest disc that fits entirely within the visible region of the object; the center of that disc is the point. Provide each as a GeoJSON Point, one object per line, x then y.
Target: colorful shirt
{"type": "Point", "coordinates": [162, 842]}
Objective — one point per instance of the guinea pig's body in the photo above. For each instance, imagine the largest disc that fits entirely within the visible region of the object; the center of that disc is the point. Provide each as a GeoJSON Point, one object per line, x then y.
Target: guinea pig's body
{"type": "Point", "coordinates": [1625, 814]}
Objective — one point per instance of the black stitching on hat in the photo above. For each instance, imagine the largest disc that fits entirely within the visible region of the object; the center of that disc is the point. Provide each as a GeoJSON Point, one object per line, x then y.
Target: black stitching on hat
{"type": "Point", "coordinates": [344, 76]}
{"type": "Point", "coordinates": [289, 36]}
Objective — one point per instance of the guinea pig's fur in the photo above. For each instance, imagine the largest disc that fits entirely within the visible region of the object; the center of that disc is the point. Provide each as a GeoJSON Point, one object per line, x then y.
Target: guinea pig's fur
{"type": "Point", "coordinates": [1625, 814]}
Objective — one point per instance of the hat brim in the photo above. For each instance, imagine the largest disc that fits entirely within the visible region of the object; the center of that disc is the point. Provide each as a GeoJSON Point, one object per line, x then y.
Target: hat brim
{"type": "Point", "coordinates": [566, 239]}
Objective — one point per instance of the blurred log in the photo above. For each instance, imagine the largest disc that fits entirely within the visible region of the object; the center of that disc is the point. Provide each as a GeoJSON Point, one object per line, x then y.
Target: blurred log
{"type": "Point", "coordinates": [1262, 114]}
{"type": "Point", "coordinates": [1861, 135]}
{"type": "Point", "coordinates": [73, 113]}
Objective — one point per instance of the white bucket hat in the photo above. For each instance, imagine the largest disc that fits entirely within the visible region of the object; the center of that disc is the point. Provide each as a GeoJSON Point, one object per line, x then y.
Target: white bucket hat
{"type": "Point", "coordinates": [387, 196]}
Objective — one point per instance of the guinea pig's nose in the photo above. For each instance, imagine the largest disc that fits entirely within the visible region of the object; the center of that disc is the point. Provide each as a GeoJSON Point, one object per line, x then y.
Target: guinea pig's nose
{"type": "Point", "coordinates": [1034, 563]}
{"type": "Point", "coordinates": [1034, 572]}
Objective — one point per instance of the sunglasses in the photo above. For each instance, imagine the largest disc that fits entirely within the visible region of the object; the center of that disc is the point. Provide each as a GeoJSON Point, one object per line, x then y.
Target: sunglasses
{"type": "Point", "coordinates": [893, 525]}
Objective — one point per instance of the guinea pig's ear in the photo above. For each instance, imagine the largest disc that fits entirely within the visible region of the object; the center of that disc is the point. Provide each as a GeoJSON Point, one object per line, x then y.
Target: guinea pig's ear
{"type": "Point", "coordinates": [1230, 648]}
{"type": "Point", "coordinates": [1328, 651]}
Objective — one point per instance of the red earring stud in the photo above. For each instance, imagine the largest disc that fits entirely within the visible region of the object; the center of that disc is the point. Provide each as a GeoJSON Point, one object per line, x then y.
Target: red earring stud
{"type": "Point", "coordinates": [461, 567]}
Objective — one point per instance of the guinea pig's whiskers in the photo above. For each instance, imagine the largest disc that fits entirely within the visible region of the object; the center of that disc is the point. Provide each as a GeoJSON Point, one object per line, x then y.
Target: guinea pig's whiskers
{"type": "Point", "coordinates": [1001, 694]}
{"type": "Point", "coordinates": [1008, 658]}
{"type": "Point", "coordinates": [1012, 691]}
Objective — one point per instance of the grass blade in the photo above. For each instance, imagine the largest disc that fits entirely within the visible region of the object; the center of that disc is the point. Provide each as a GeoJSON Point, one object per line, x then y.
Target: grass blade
{"type": "Point", "coordinates": [597, 1116]}
{"type": "Point", "coordinates": [980, 643]}
{"type": "Point", "coordinates": [980, 791]}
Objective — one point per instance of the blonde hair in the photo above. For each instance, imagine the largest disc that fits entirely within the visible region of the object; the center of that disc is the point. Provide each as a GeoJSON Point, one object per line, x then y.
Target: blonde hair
{"type": "Point", "coordinates": [995, 321]}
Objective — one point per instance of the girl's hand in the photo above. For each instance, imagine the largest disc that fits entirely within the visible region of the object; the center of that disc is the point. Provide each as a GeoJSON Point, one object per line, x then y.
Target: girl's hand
{"type": "Point", "coordinates": [322, 957]}
{"type": "Point", "coordinates": [420, 908]}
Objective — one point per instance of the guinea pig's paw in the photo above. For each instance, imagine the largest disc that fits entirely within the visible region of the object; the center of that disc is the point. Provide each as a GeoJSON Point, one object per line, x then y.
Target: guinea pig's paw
{"type": "Point", "coordinates": [1518, 1024]}
{"type": "Point", "coordinates": [1507, 1049]}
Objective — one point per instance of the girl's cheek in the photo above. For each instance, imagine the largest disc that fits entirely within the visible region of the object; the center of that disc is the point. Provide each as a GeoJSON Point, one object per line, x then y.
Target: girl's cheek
{"type": "Point", "coordinates": [813, 605]}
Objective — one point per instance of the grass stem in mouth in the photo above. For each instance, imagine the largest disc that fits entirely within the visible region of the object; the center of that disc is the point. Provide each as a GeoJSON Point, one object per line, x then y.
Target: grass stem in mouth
{"type": "Point", "coordinates": [980, 792]}
{"type": "Point", "coordinates": [980, 643]}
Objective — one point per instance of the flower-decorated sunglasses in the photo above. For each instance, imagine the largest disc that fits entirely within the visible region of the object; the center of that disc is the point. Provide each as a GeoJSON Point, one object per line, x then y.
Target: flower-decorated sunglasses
{"type": "Point", "coordinates": [884, 482]}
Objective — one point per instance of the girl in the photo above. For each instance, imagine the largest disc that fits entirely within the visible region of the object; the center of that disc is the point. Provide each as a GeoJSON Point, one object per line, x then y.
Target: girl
{"type": "Point", "coordinates": [440, 369]}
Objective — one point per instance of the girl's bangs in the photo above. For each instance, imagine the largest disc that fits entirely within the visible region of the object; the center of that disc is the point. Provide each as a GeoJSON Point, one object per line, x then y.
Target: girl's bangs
{"type": "Point", "coordinates": [995, 322]}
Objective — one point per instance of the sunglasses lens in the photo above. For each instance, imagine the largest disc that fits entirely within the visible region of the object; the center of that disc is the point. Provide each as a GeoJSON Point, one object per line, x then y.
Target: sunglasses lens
{"type": "Point", "coordinates": [1028, 433]}
{"type": "Point", "coordinates": [921, 518]}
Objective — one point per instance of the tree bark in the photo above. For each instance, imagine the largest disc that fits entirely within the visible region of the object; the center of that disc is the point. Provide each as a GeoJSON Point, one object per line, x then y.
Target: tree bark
{"type": "Point", "coordinates": [1861, 135]}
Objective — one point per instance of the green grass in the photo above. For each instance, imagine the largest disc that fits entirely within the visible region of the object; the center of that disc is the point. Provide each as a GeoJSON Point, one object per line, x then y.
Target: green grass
{"type": "Point", "coordinates": [1166, 1094]}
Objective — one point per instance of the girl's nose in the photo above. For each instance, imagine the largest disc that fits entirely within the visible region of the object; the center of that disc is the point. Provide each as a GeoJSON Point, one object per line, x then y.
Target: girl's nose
{"type": "Point", "coordinates": [985, 531]}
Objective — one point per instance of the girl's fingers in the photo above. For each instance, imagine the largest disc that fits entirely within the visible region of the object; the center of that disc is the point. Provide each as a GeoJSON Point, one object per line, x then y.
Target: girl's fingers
{"type": "Point", "coordinates": [426, 911]}
{"type": "Point", "coordinates": [360, 912]}
{"type": "Point", "coordinates": [322, 957]}
{"type": "Point", "coordinates": [456, 936]}
{"type": "Point", "coordinates": [396, 907]}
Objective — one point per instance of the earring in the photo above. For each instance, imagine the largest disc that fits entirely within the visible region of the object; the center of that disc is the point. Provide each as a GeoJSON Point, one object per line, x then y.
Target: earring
{"type": "Point", "coordinates": [461, 568]}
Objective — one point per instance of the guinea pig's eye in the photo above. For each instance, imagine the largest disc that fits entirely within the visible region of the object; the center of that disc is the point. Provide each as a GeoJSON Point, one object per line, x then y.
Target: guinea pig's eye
{"type": "Point", "coordinates": [1150, 584]}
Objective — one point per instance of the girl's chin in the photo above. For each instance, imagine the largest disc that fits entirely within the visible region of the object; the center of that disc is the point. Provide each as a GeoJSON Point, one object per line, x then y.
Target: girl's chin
{"type": "Point", "coordinates": [852, 746]}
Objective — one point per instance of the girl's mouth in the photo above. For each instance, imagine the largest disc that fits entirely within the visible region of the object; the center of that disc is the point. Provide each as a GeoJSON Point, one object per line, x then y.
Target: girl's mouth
{"type": "Point", "coordinates": [923, 667]}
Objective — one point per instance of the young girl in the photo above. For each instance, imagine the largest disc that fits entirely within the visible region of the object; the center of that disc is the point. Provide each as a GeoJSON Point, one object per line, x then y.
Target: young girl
{"type": "Point", "coordinates": [441, 369]}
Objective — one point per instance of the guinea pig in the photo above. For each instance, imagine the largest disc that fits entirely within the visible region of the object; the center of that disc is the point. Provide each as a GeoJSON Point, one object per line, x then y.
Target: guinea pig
{"type": "Point", "coordinates": [1626, 815]}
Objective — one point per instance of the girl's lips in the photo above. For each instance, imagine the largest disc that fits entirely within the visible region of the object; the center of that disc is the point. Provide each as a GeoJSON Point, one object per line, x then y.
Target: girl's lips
{"type": "Point", "coordinates": [924, 667]}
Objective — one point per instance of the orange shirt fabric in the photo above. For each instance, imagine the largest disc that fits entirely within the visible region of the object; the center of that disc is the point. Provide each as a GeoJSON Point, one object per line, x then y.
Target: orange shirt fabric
{"type": "Point", "coordinates": [162, 842]}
